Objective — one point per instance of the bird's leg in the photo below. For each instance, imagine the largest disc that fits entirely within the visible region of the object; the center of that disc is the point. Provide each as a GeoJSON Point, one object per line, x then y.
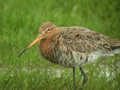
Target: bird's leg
{"type": "Point", "coordinates": [74, 79]}
{"type": "Point", "coordinates": [85, 78]}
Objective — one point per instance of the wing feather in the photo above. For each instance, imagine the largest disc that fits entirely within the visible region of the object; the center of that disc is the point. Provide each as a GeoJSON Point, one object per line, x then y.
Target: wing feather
{"type": "Point", "coordinates": [83, 40]}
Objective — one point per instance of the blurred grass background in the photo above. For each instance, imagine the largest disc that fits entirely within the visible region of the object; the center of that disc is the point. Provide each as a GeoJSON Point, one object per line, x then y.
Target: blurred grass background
{"type": "Point", "coordinates": [19, 23]}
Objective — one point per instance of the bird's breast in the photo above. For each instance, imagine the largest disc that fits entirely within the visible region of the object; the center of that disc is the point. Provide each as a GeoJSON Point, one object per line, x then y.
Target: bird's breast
{"type": "Point", "coordinates": [45, 48]}
{"type": "Point", "coordinates": [48, 45]}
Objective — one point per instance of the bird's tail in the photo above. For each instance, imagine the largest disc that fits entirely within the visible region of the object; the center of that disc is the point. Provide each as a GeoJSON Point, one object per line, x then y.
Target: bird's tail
{"type": "Point", "coordinates": [115, 44]}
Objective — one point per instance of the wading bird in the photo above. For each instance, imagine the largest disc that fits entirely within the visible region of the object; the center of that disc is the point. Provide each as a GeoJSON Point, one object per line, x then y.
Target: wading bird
{"type": "Point", "coordinates": [73, 46]}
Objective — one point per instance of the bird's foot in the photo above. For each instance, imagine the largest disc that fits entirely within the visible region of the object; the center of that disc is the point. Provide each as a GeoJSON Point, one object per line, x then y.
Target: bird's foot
{"type": "Point", "coordinates": [85, 79]}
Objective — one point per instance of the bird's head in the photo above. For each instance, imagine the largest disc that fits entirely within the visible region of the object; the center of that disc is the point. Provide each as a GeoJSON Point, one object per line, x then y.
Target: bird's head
{"type": "Point", "coordinates": [44, 30]}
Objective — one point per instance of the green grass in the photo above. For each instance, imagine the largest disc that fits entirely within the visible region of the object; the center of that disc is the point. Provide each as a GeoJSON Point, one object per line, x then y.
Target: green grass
{"type": "Point", "coordinates": [19, 23]}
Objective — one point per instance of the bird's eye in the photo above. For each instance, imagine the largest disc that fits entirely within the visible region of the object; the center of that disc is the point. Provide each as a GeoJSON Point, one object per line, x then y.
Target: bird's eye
{"type": "Point", "coordinates": [48, 29]}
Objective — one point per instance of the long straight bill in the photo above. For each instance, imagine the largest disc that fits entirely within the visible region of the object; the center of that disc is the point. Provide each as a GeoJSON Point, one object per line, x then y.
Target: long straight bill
{"type": "Point", "coordinates": [30, 45]}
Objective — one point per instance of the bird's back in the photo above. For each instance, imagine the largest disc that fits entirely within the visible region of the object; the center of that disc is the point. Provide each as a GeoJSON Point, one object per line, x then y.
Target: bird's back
{"type": "Point", "coordinates": [84, 40]}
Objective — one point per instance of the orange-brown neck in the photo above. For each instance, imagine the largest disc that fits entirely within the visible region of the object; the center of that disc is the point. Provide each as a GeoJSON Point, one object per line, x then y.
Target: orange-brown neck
{"type": "Point", "coordinates": [45, 44]}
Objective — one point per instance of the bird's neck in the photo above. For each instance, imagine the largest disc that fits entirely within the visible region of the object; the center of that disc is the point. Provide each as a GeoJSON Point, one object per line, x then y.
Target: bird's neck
{"type": "Point", "coordinates": [46, 45]}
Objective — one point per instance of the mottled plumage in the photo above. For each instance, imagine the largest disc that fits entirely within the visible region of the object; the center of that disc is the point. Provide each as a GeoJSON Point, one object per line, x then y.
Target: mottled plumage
{"type": "Point", "coordinates": [73, 46]}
